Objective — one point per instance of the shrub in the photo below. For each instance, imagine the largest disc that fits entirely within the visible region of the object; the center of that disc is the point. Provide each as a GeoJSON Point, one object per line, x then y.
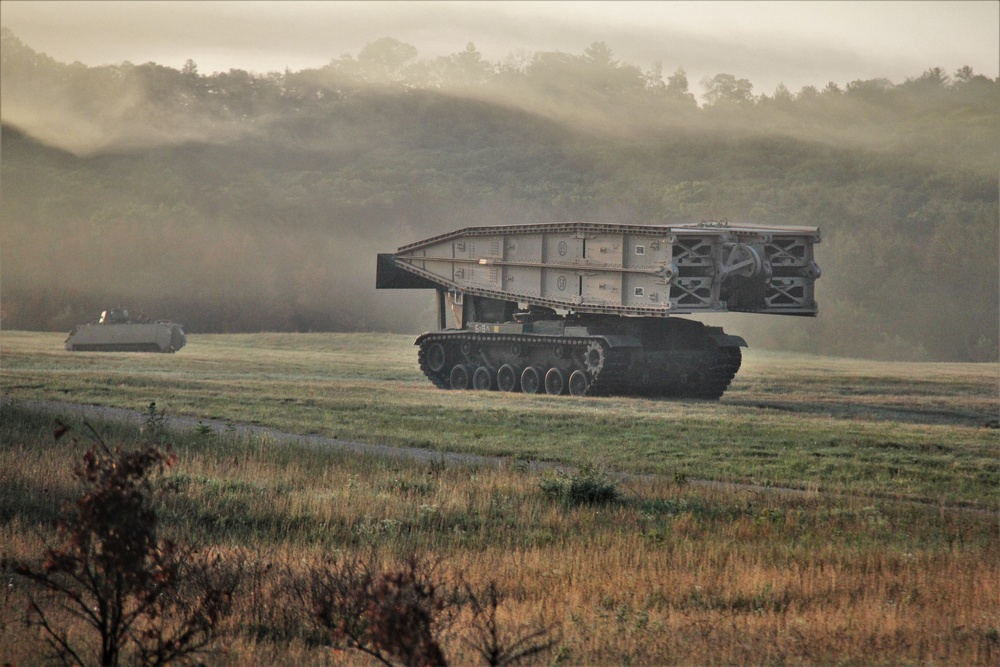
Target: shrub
{"type": "Point", "coordinates": [400, 615]}
{"type": "Point", "coordinates": [154, 423]}
{"type": "Point", "coordinates": [397, 615]}
{"type": "Point", "coordinates": [588, 486]}
{"type": "Point", "coordinates": [147, 600]}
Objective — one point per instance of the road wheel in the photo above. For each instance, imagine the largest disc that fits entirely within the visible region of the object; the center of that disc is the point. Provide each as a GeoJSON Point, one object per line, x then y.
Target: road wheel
{"type": "Point", "coordinates": [508, 378]}
{"type": "Point", "coordinates": [482, 379]}
{"type": "Point", "coordinates": [531, 380]}
{"type": "Point", "coordinates": [460, 377]}
{"type": "Point", "coordinates": [555, 382]}
{"type": "Point", "coordinates": [578, 383]}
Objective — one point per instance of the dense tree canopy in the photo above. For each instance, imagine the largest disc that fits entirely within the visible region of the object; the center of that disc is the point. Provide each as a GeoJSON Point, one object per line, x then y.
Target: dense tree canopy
{"type": "Point", "coordinates": [239, 201]}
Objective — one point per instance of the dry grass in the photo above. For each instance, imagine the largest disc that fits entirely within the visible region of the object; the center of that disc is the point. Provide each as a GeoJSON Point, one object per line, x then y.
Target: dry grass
{"type": "Point", "coordinates": [669, 574]}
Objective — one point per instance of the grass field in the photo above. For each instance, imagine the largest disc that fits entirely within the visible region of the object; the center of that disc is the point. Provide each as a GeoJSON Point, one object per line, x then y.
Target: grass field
{"type": "Point", "coordinates": [919, 431]}
{"type": "Point", "coordinates": [667, 573]}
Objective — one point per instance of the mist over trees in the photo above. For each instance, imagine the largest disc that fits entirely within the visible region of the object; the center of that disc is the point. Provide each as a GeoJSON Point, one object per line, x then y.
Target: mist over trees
{"type": "Point", "coordinates": [238, 201]}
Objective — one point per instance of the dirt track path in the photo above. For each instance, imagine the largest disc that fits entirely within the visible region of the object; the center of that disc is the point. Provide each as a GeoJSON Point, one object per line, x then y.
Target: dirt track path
{"type": "Point", "coordinates": [187, 424]}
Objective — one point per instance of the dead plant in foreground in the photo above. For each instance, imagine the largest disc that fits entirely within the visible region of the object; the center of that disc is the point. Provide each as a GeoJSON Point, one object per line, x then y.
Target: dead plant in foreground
{"type": "Point", "coordinates": [147, 600]}
{"type": "Point", "coordinates": [400, 615]}
{"type": "Point", "coordinates": [500, 646]}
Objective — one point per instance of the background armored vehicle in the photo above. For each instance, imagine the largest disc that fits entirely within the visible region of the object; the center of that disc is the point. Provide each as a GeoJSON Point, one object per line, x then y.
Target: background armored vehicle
{"type": "Point", "coordinates": [588, 308]}
{"type": "Point", "coordinates": [115, 332]}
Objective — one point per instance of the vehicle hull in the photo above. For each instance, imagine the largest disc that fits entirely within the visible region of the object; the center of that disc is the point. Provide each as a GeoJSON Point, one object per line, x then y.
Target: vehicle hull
{"type": "Point", "coordinates": [127, 337]}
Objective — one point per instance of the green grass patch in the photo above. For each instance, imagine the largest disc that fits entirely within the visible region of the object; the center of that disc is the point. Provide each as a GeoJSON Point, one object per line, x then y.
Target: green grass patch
{"type": "Point", "coordinates": [915, 431]}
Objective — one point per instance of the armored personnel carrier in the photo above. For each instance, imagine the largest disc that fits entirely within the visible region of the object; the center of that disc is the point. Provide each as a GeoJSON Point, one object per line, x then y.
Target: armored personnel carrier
{"type": "Point", "coordinates": [115, 332]}
{"type": "Point", "coordinates": [590, 308]}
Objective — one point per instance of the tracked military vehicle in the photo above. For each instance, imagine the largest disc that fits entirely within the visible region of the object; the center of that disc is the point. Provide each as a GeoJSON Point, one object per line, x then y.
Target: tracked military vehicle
{"type": "Point", "coordinates": [115, 332]}
{"type": "Point", "coordinates": [590, 308]}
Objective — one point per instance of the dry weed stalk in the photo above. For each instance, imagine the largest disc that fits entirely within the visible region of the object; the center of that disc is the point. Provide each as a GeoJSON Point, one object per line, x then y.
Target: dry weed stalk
{"type": "Point", "coordinates": [148, 601]}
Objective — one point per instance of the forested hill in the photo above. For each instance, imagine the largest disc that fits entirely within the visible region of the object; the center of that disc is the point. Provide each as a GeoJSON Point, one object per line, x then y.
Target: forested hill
{"type": "Point", "coordinates": [245, 202]}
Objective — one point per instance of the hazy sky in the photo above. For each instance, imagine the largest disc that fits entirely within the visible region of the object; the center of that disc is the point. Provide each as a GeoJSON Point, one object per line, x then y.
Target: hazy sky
{"type": "Point", "coordinates": [797, 43]}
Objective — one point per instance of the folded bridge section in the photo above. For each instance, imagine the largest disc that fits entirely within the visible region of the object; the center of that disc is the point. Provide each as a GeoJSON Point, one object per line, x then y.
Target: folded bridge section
{"type": "Point", "coordinates": [651, 271]}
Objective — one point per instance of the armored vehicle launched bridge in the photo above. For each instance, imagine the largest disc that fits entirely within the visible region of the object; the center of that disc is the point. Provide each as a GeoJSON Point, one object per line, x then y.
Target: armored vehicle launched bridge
{"type": "Point", "coordinates": [588, 308]}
